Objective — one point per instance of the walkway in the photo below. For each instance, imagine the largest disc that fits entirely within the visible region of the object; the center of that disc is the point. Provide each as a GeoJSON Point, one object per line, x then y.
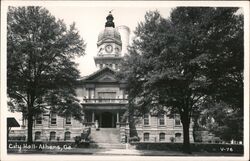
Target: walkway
{"type": "Point", "coordinates": [131, 152]}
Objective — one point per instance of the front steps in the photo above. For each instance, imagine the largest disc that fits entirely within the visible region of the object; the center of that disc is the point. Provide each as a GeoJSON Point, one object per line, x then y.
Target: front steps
{"type": "Point", "coordinates": [110, 146]}
{"type": "Point", "coordinates": [106, 138]}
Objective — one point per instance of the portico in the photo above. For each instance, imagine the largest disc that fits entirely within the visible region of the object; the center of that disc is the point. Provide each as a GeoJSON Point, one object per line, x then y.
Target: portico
{"type": "Point", "coordinates": [108, 116]}
{"type": "Point", "coordinates": [106, 119]}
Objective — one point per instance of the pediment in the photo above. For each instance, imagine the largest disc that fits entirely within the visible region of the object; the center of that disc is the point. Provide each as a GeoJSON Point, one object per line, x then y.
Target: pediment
{"type": "Point", "coordinates": [106, 78]}
{"type": "Point", "coordinates": [103, 75]}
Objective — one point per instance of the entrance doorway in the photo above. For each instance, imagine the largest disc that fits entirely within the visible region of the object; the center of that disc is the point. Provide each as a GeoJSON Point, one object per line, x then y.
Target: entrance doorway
{"type": "Point", "coordinates": [107, 120]}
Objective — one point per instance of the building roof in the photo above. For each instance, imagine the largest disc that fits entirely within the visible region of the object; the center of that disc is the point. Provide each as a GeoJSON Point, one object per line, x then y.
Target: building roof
{"type": "Point", "coordinates": [98, 73]}
{"type": "Point", "coordinates": [11, 122]}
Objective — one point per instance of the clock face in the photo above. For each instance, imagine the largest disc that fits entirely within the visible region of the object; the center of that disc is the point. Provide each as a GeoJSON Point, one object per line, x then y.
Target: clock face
{"type": "Point", "coordinates": [108, 48]}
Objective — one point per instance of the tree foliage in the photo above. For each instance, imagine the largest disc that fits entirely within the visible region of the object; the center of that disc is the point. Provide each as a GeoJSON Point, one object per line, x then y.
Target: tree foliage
{"type": "Point", "coordinates": [222, 120]}
{"type": "Point", "coordinates": [176, 63]}
{"type": "Point", "coordinates": [40, 71]}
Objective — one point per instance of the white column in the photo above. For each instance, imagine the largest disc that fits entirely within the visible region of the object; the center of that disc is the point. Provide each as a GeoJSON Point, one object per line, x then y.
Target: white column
{"type": "Point", "coordinates": [93, 117]}
{"type": "Point", "coordinates": [117, 117]}
{"type": "Point", "coordinates": [113, 120]}
{"type": "Point", "coordinates": [100, 122]}
{"type": "Point", "coordinates": [89, 95]}
{"type": "Point", "coordinates": [123, 94]}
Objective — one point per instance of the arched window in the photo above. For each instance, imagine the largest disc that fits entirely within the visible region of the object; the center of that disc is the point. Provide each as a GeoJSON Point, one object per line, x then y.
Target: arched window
{"type": "Point", "coordinates": [146, 136]}
{"type": "Point", "coordinates": [67, 135]}
{"type": "Point", "coordinates": [178, 136]}
{"type": "Point", "coordinates": [37, 135]}
{"type": "Point", "coordinates": [52, 135]}
{"type": "Point", "coordinates": [162, 136]}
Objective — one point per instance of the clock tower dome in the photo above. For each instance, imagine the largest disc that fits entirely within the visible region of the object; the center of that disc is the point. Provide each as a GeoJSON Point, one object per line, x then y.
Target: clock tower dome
{"type": "Point", "coordinates": [109, 46]}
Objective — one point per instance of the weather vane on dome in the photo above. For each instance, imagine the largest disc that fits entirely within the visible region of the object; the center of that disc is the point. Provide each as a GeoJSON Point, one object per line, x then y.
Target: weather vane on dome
{"type": "Point", "coordinates": [111, 11]}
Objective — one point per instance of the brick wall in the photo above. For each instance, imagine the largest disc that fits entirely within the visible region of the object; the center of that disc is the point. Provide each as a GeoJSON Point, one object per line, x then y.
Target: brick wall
{"type": "Point", "coordinates": [154, 129]}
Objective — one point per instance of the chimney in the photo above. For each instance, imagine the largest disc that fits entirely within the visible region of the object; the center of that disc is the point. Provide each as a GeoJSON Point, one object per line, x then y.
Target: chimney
{"type": "Point", "coordinates": [125, 33]}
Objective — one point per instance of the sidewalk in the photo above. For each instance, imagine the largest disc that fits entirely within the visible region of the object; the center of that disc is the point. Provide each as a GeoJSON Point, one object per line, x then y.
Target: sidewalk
{"type": "Point", "coordinates": [131, 152]}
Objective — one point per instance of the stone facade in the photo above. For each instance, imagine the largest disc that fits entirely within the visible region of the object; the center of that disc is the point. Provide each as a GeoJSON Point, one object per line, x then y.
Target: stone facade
{"type": "Point", "coordinates": [160, 129]}
{"type": "Point", "coordinates": [46, 131]}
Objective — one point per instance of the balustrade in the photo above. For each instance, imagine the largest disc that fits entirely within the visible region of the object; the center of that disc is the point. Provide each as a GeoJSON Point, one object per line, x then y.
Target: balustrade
{"type": "Point", "coordinates": [105, 100]}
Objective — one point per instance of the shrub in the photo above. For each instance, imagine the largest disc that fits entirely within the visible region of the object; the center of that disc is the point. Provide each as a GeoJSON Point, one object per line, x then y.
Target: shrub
{"type": "Point", "coordinates": [172, 139]}
{"type": "Point", "coordinates": [77, 140]}
{"type": "Point", "coordinates": [195, 147]}
{"type": "Point", "coordinates": [17, 138]}
{"type": "Point", "coordinates": [134, 139]}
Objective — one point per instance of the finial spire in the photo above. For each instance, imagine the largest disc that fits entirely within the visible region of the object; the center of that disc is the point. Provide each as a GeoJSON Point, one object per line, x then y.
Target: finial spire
{"type": "Point", "coordinates": [110, 19]}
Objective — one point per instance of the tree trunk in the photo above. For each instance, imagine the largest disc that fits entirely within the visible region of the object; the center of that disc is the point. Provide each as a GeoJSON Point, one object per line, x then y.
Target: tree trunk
{"type": "Point", "coordinates": [186, 141]}
{"type": "Point", "coordinates": [30, 126]}
{"type": "Point", "coordinates": [196, 129]}
{"type": "Point", "coordinates": [132, 128]}
{"type": "Point", "coordinates": [30, 117]}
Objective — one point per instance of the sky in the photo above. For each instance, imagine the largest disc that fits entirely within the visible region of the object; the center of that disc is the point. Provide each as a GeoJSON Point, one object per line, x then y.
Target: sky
{"type": "Point", "coordinates": [91, 20]}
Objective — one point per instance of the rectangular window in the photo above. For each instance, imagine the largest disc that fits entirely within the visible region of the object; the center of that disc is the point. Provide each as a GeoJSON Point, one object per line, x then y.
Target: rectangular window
{"type": "Point", "coordinates": [161, 119]}
{"type": "Point", "coordinates": [68, 120]}
{"type": "Point", "coordinates": [162, 136]}
{"type": "Point", "coordinates": [177, 120]}
{"type": "Point", "coordinates": [106, 94]}
{"type": "Point", "coordinates": [90, 93]}
{"type": "Point", "coordinates": [53, 119]}
{"type": "Point", "coordinates": [146, 136]}
{"type": "Point", "coordinates": [39, 119]}
{"type": "Point", "coordinates": [146, 119]}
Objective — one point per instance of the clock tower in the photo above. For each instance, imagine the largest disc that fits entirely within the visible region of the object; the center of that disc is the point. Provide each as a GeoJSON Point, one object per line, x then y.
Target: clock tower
{"type": "Point", "coordinates": [109, 46]}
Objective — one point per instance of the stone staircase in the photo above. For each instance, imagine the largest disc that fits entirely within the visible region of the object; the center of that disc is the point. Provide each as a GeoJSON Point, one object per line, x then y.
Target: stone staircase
{"type": "Point", "coordinates": [107, 138]}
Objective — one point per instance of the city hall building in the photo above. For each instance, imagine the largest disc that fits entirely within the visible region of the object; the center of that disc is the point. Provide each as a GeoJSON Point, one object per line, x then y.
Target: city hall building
{"type": "Point", "coordinates": [103, 98]}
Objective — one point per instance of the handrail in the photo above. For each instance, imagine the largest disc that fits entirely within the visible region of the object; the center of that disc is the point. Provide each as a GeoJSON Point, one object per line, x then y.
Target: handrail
{"type": "Point", "coordinates": [104, 100]}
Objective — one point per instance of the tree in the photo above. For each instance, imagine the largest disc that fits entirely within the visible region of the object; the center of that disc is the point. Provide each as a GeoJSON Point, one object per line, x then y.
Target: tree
{"type": "Point", "coordinates": [224, 43]}
{"type": "Point", "coordinates": [170, 60]}
{"type": "Point", "coordinates": [222, 120]}
{"type": "Point", "coordinates": [225, 71]}
{"type": "Point", "coordinates": [40, 72]}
